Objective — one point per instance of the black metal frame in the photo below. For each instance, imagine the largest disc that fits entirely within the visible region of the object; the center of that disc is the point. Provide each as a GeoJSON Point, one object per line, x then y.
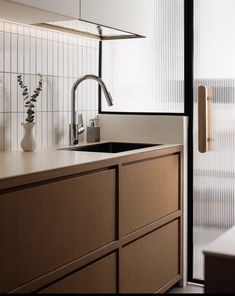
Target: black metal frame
{"type": "Point", "coordinates": [189, 53]}
{"type": "Point", "coordinates": [188, 111]}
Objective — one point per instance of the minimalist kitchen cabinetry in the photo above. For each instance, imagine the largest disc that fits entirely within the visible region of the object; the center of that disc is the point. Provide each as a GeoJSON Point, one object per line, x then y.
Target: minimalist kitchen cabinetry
{"type": "Point", "coordinates": [152, 261]}
{"type": "Point", "coordinates": [99, 277]}
{"type": "Point", "coordinates": [141, 183]}
{"type": "Point", "coordinates": [53, 224]}
{"type": "Point", "coordinates": [108, 227]}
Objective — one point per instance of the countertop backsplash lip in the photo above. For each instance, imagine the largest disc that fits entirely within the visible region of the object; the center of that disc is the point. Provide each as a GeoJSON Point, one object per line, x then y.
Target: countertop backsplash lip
{"type": "Point", "coordinates": [61, 58]}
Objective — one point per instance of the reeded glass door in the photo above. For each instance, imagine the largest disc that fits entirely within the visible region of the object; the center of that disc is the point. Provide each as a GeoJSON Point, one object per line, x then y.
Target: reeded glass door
{"type": "Point", "coordinates": [214, 124]}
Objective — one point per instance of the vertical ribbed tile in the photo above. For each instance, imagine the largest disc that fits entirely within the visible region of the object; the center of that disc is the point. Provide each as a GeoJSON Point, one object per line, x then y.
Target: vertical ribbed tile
{"type": "Point", "coordinates": [7, 52]}
{"type": "Point", "coordinates": [44, 94]}
{"type": "Point", "coordinates": [50, 58]}
{"type": "Point", "coordinates": [14, 49]}
{"type": "Point", "coordinates": [14, 93]}
{"type": "Point", "coordinates": [1, 132]}
{"type": "Point", "coordinates": [44, 128]}
{"type": "Point", "coordinates": [7, 131]}
{"type": "Point", "coordinates": [49, 93]}
{"type": "Point", "coordinates": [13, 131]}
{"type": "Point", "coordinates": [20, 53]}
{"type": "Point", "coordinates": [20, 129]}
{"type": "Point", "coordinates": [49, 128]}
{"type": "Point", "coordinates": [61, 58]}
{"type": "Point", "coordinates": [1, 50]}
{"type": "Point", "coordinates": [1, 92]}
{"type": "Point", "coordinates": [27, 53]}
{"type": "Point", "coordinates": [7, 92]}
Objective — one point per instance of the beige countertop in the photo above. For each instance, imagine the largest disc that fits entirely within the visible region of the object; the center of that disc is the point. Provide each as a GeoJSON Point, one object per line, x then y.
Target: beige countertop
{"type": "Point", "coordinates": [224, 246]}
{"type": "Point", "coordinates": [20, 164]}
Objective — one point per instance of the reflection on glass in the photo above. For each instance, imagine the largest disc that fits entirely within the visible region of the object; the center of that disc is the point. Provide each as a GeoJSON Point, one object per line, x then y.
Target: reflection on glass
{"type": "Point", "coordinates": [147, 75]}
{"type": "Point", "coordinates": [214, 172]}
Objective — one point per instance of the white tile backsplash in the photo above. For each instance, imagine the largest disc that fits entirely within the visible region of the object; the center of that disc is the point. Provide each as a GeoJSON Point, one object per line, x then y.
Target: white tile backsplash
{"type": "Point", "coordinates": [61, 58]}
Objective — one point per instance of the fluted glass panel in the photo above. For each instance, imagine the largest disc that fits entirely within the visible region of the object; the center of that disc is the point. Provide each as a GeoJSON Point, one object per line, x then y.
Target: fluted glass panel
{"type": "Point", "coordinates": [214, 172]}
{"type": "Point", "coordinates": [147, 75]}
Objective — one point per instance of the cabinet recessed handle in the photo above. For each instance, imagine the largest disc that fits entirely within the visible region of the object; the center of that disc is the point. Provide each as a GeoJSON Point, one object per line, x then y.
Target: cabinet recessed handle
{"type": "Point", "coordinates": [204, 137]}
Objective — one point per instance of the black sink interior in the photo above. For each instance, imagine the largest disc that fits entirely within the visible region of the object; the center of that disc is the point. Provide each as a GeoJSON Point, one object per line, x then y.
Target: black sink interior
{"type": "Point", "coordinates": [112, 147]}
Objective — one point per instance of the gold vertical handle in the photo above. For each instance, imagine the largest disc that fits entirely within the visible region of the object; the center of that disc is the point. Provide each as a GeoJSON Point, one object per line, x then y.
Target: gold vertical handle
{"type": "Point", "coordinates": [204, 95]}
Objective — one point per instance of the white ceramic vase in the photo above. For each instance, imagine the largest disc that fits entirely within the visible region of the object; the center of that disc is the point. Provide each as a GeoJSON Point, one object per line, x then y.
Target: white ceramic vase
{"type": "Point", "coordinates": [28, 143]}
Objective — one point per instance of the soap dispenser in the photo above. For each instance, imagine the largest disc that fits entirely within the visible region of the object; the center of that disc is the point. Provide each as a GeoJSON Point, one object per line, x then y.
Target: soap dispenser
{"type": "Point", "coordinates": [93, 131]}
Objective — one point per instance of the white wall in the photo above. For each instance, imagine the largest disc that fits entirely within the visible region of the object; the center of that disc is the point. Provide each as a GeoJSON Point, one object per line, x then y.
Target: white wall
{"type": "Point", "coordinates": [151, 129]}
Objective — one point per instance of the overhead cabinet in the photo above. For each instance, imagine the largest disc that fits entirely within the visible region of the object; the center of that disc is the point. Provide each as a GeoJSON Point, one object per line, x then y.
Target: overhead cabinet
{"type": "Point", "coordinates": [103, 19]}
{"type": "Point", "coordinates": [69, 8]}
{"type": "Point", "coordinates": [124, 15]}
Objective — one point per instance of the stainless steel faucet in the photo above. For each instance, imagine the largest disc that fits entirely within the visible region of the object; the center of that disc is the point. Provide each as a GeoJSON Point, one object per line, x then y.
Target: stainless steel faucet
{"type": "Point", "coordinates": [77, 129]}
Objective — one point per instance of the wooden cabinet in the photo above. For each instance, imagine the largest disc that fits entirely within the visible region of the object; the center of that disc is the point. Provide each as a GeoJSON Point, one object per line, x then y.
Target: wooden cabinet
{"type": "Point", "coordinates": [99, 277]}
{"type": "Point", "coordinates": [47, 226]}
{"type": "Point", "coordinates": [112, 226]}
{"type": "Point", "coordinates": [149, 191]}
{"type": "Point", "coordinates": [152, 261]}
{"type": "Point", "coordinates": [68, 8]}
{"type": "Point", "coordinates": [125, 15]}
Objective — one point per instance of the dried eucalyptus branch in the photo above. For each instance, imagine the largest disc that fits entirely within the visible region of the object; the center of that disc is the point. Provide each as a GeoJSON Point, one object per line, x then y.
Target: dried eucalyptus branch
{"type": "Point", "coordinates": [29, 101]}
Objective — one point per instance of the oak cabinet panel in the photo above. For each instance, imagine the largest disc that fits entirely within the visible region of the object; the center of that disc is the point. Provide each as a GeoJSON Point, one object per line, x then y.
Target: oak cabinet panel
{"type": "Point", "coordinates": [99, 277]}
{"type": "Point", "coordinates": [150, 190]}
{"type": "Point", "coordinates": [151, 262]}
{"type": "Point", "coordinates": [47, 226]}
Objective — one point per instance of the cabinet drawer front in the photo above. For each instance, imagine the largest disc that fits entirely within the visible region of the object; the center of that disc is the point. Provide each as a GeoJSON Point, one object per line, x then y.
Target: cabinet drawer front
{"type": "Point", "coordinates": [150, 191]}
{"type": "Point", "coordinates": [99, 277]}
{"type": "Point", "coordinates": [45, 227]}
{"type": "Point", "coordinates": [151, 262]}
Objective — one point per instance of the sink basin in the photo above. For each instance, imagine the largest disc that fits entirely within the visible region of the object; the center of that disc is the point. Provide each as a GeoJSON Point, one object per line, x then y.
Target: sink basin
{"type": "Point", "coordinates": [111, 147]}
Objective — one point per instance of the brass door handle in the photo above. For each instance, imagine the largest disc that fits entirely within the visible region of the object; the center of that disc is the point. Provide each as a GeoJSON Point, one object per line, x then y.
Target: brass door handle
{"type": "Point", "coordinates": [204, 95]}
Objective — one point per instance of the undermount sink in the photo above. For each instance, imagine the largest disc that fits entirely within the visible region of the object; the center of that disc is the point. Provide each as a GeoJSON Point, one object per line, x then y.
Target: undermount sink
{"type": "Point", "coordinates": [111, 147]}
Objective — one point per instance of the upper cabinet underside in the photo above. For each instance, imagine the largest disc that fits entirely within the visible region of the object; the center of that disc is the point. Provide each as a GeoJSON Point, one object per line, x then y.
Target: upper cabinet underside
{"type": "Point", "coordinates": [102, 19]}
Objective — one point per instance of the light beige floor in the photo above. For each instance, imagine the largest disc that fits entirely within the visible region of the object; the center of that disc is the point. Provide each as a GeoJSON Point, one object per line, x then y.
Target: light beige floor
{"type": "Point", "coordinates": [189, 289]}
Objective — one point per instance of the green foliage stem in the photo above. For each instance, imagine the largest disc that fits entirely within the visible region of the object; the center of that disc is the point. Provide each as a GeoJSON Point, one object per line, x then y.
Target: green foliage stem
{"type": "Point", "coordinates": [30, 101]}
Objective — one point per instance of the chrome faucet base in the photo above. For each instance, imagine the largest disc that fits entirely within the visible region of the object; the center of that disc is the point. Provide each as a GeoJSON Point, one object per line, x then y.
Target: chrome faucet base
{"type": "Point", "coordinates": [79, 129]}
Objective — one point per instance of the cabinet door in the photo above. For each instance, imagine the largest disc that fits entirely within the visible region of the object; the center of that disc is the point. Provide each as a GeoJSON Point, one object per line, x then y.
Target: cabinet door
{"type": "Point", "coordinates": [125, 15]}
{"type": "Point", "coordinates": [150, 190]}
{"type": "Point", "coordinates": [151, 262]}
{"type": "Point", "coordinates": [47, 226]}
{"type": "Point", "coordinates": [64, 7]}
{"type": "Point", "coordinates": [99, 277]}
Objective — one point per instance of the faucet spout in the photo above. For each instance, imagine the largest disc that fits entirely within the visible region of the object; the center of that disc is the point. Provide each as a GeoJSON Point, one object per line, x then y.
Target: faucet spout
{"type": "Point", "coordinates": [75, 139]}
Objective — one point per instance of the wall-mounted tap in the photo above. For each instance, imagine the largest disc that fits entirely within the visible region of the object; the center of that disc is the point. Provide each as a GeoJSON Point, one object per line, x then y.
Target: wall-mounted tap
{"type": "Point", "coordinates": [76, 129]}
